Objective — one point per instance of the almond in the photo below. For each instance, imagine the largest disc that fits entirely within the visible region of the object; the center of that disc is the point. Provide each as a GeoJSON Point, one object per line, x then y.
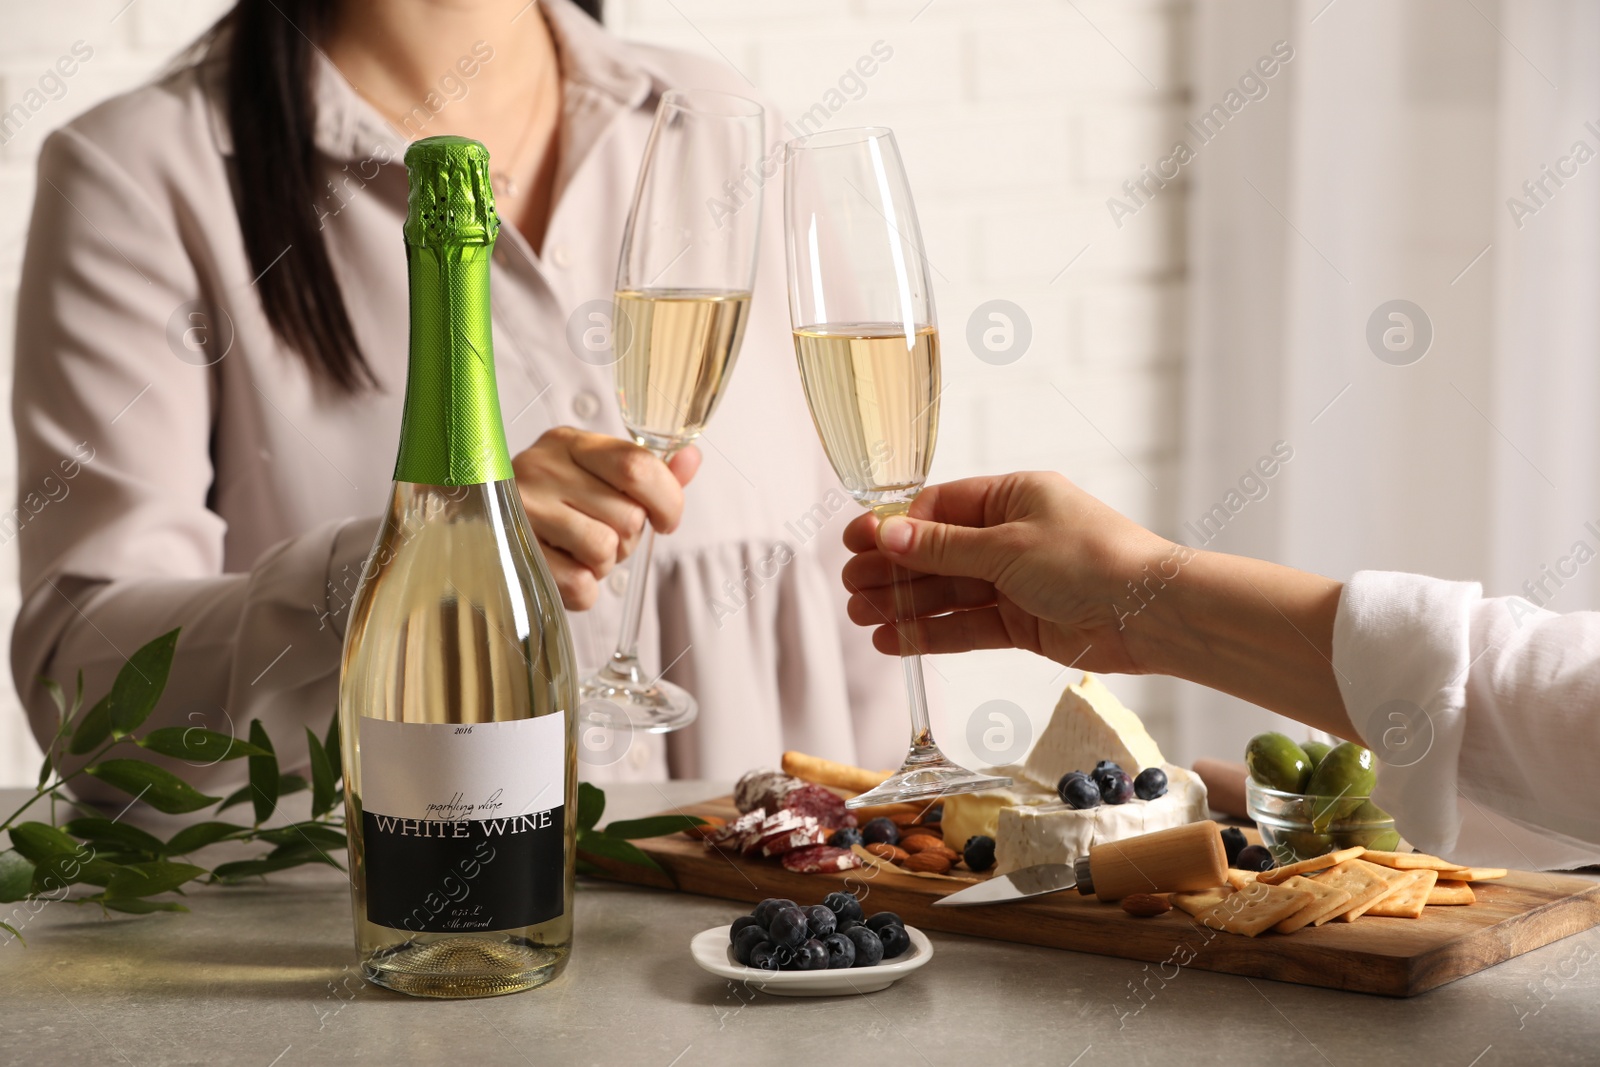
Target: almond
{"type": "Point", "coordinates": [711, 825]}
{"type": "Point", "coordinates": [1145, 905]}
{"type": "Point", "coordinates": [948, 853]}
{"type": "Point", "coordinates": [930, 862]}
{"type": "Point", "coordinates": [904, 819]}
{"type": "Point", "coordinates": [885, 851]}
{"type": "Point", "coordinates": [915, 843]}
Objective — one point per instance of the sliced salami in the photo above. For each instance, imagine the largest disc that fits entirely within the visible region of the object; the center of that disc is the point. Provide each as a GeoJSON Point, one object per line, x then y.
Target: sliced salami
{"type": "Point", "coordinates": [820, 858]}
{"type": "Point", "coordinates": [764, 788]}
{"type": "Point", "coordinates": [735, 830]}
{"type": "Point", "coordinates": [820, 803]}
{"type": "Point", "coordinates": [782, 823]}
{"type": "Point", "coordinates": [789, 840]}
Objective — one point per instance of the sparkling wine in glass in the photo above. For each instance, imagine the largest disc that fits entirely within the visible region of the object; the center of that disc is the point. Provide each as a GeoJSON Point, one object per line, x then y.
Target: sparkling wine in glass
{"type": "Point", "coordinates": [682, 300]}
{"type": "Point", "coordinates": [864, 333]}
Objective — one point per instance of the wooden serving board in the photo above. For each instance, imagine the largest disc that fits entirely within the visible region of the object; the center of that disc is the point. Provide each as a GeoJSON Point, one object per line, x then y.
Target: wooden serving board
{"type": "Point", "coordinates": [1392, 957]}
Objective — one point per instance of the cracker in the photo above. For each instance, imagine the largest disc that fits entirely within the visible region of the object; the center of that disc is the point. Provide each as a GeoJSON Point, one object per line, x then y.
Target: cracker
{"type": "Point", "coordinates": [1392, 878]}
{"type": "Point", "coordinates": [1254, 908]}
{"type": "Point", "coordinates": [1326, 900]}
{"type": "Point", "coordinates": [1279, 875]}
{"type": "Point", "coordinates": [1408, 898]}
{"type": "Point", "coordinates": [1362, 880]}
{"type": "Point", "coordinates": [1199, 900]}
{"type": "Point", "coordinates": [1477, 874]}
{"type": "Point", "coordinates": [1412, 861]}
{"type": "Point", "coordinates": [1239, 879]}
{"type": "Point", "coordinates": [1450, 891]}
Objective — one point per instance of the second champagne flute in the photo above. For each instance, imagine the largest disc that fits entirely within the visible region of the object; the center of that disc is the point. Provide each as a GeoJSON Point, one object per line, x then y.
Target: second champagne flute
{"type": "Point", "coordinates": [682, 299]}
{"type": "Point", "coordinates": [862, 307]}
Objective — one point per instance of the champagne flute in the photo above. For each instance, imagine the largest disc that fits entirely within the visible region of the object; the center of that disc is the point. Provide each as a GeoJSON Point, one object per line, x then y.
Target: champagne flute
{"type": "Point", "coordinates": [861, 305]}
{"type": "Point", "coordinates": [682, 300]}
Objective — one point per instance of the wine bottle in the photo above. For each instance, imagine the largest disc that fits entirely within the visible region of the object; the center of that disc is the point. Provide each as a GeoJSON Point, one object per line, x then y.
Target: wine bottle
{"type": "Point", "coordinates": [457, 689]}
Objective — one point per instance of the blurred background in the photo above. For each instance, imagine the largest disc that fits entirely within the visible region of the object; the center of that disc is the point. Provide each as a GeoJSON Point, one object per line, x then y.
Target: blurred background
{"type": "Point", "coordinates": [1170, 240]}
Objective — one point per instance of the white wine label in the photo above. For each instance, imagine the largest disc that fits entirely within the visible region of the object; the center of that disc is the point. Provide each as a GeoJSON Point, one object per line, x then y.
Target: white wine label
{"type": "Point", "coordinates": [463, 825]}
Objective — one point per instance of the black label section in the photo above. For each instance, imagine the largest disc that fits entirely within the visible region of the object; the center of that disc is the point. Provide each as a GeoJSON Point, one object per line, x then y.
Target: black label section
{"type": "Point", "coordinates": [443, 877]}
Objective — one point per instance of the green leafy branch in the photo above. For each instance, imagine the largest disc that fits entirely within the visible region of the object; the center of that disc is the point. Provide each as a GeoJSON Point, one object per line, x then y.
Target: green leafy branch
{"type": "Point", "coordinates": [123, 867]}
{"type": "Point", "coordinates": [616, 841]}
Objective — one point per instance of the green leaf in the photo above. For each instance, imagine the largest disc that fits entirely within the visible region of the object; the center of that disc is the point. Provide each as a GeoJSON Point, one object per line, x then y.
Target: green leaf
{"type": "Point", "coordinates": [264, 782]}
{"type": "Point", "coordinates": [148, 879]}
{"type": "Point", "coordinates": [238, 796]}
{"type": "Point", "coordinates": [115, 835]}
{"type": "Point", "coordinates": [304, 851]}
{"type": "Point", "coordinates": [57, 694]}
{"type": "Point", "coordinates": [655, 826]}
{"type": "Point", "coordinates": [140, 682]}
{"type": "Point", "coordinates": [162, 790]}
{"type": "Point", "coordinates": [135, 906]}
{"type": "Point", "coordinates": [14, 931]}
{"type": "Point", "coordinates": [583, 866]}
{"type": "Point", "coordinates": [614, 848]}
{"type": "Point", "coordinates": [39, 841]}
{"type": "Point", "coordinates": [93, 729]}
{"type": "Point", "coordinates": [321, 777]}
{"type": "Point", "coordinates": [316, 833]}
{"type": "Point", "coordinates": [291, 783]}
{"type": "Point", "coordinates": [234, 872]}
{"type": "Point", "coordinates": [196, 837]}
{"type": "Point", "coordinates": [16, 876]}
{"type": "Point", "coordinates": [330, 745]}
{"type": "Point", "coordinates": [197, 744]}
{"type": "Point", "coordinates": [44, 770]}
{"type": "Point", "coordinates": [591, 805]}
{"type": "Point", "coordinates": [65, 868]}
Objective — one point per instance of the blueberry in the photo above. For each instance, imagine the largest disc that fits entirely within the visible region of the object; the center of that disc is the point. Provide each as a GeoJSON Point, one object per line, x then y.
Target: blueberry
{"type": "Point", "coordinates": [1116, 787]}
{"type": "Point", "coordinates": [812, 956]}
{"type": "Point", "coordinates": [1079, 792]}
{"type": "Point", "coordinates": [845, 838]}
{"type": "Point", "coordinates": [1233, 843]}
{"type": "Point", "coordinates": [1254, 858]}
{"type": "Point", "coordinates": [1103, 768]}
{"type": "Point", "coordinates": [789, 927]}
{"type": "Point", "coordinates": [745, 942]}
{"type": "Point", "coordinates": [979, 852]}
{"type": "Point", "coordinates": [821, 921]}
{"type": "Point", "coordinates": [841, 951]}
{"type": "Point", "coordinates": [1064, 787]}
{"type": "Point", "coordinates": [767, 908]}
{"type": "Point", "coordinates": [1151, 783]}
{"type": "Point", "coordinates": [934, 816]}
{"type": "Point", "coordinates": [895, 940]}
{"type": "Point", "coordinates": [846, 925]}
{"type": "Point", "coordinates": [880, 831]}
{"type": "Point", "coordinates": [845, 906]}
{"type": "Point", "coordinates": [869, 948]}
{"type": "Point", "coordinates": [739, 924]}
{"type": "Point", "coordinates": [882, 919]}
{"type": "Point", "coordinates": [764, 956]}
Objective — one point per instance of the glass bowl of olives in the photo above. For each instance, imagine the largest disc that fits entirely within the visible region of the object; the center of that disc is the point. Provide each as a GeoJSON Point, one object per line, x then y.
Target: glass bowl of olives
{"type": "Point", "coordinates": [1310, 799]}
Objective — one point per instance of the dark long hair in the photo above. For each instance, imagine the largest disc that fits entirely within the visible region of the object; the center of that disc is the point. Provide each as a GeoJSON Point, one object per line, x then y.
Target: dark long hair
{"type": "Point", "coordinates": [266, 46]}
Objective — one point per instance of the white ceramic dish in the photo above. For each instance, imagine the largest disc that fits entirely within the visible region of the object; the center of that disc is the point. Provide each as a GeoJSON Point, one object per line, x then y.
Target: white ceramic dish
{"type": "Point", "coordinates": [711, 950]}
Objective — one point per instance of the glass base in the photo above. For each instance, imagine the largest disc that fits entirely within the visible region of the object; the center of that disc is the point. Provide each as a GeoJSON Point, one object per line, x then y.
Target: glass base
{"type": "Point", "coordinates": [462, 967]}
{"type": "Point", "coordinates": [619, 697]}
{"type": "Point", "coordinates": [927, 774]}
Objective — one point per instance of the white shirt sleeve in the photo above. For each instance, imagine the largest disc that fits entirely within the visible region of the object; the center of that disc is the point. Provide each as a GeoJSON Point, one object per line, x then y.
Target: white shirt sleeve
{"type": "Point", "coordinates": [1483, 714]}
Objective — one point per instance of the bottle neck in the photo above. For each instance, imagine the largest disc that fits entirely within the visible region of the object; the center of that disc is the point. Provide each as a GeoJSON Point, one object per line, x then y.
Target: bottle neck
{"type": "Point", "coordinates": [451, 433]}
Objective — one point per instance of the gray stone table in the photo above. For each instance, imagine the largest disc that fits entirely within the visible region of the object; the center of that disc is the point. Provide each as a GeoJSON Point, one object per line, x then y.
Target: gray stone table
{"type": "Point", "coordinates": [263, 975]}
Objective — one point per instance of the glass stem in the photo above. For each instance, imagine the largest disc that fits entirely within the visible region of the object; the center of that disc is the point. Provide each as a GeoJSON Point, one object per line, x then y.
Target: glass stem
{"type": "Point", "coordinates": [922, 744]}
{"type": "Point", "coordinates": [633, 605]}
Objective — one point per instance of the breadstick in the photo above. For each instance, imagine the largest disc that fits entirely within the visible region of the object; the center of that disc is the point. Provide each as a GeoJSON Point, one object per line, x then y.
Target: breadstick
{"type": "Point", "coordinates": [826, 772]}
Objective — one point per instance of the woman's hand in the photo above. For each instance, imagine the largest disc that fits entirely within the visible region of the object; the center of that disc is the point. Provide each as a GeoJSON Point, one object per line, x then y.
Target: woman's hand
{"type": "Point", "coordinates": [588, 496]}
{"type": "Point", "coordinates": [1020, 561]}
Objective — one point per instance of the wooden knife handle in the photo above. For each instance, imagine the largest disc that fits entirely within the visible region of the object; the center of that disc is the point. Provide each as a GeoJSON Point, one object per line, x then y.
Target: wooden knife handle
{"type": "Point", "coordinates": [1185, 857]}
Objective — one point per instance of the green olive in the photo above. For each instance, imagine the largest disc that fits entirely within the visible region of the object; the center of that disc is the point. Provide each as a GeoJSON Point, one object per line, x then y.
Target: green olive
{"type": "Point", "coordinates": [1378, 840]}
{"type": "Point", "coordinates": [1315, 750]}
{"type": "Point", "coordinates": [1277, 762]}
{"type": "Point", "coordinates": [1346, 771]}
{"type": "Point", "coordinates": [1304, 845]}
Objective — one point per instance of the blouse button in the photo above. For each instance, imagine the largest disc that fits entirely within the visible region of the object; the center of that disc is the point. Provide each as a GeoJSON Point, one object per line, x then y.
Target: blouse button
{"type": "Point", "coordinates": [639, 755]}
{"type": "Point", "coordinates": [558, 256]}
{"type": "Point", "coordinates": [586, 405]}
{"type": "Point", "coordinates": [618, 582]}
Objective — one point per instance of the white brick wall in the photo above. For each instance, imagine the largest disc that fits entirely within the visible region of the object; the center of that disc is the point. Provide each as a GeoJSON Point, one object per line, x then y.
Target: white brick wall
{"type": "Point", "coordinates": [1018, 118]}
